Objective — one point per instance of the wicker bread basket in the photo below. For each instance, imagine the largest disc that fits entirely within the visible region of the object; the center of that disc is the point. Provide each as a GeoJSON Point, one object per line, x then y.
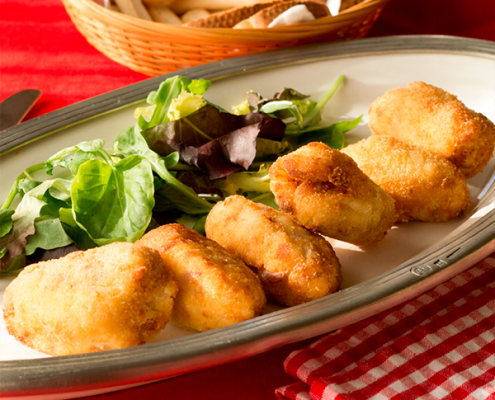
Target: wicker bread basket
{"type": "Point", "coordinates": [154, 48]}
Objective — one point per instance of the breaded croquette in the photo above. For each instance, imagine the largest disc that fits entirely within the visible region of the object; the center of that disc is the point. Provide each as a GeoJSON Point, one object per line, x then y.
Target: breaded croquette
{"type": "Point", "coordinates": [111, 297]}
{"type": "Point", "coordinates": [427, 116]}
{"type": "Point", "coordinates": [215, 289]}
{"type": "Point", "coordinates": [325, 191]}
{"type": "Point", "coordinates": [425, 187]}
{"type": "Point", "coordinates": [295, 265]}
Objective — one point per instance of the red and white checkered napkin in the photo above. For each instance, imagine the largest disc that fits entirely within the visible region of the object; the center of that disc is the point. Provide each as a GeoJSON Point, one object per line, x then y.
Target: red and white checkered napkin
{"type": "Point", "coordinates": [440, 345]}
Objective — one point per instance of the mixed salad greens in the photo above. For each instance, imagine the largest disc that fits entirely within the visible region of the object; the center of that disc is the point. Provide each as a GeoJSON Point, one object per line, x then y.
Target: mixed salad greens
{"type": "Point", "coordinates": [182, 156]}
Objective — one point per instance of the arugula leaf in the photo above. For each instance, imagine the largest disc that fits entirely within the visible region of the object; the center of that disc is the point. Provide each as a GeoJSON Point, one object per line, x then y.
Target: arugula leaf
{"type": "Point", "coordinates": [113, 202]}
{"type": "Point", "coordinates": [315, 112]}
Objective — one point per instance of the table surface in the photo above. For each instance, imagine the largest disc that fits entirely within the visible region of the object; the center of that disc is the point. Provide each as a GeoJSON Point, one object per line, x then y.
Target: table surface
{"type": "Point", "coordinates": [40, 48]}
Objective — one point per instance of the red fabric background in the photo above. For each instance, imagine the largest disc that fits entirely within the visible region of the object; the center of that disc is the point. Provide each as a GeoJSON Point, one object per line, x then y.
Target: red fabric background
{"type": "Point", "coordinates": [40, 48]}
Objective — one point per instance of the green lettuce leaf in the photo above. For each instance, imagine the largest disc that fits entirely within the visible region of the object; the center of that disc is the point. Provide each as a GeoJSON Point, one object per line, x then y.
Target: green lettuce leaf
{"type": "Point", "coordinates": [130, 141]}
{"type": "Point", "coordinates": [5, 221]}
{"type": "Point", "coordinates": [49, 234]}
{"type": "Point", "coordinates": [13, 243]}
{"type": "Point", "coordinates": [169, 90]}
{"type": "Point", "coordinates": [113, 203]}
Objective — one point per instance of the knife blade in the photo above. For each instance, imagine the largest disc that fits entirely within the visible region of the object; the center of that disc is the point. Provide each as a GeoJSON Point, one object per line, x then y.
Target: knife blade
{"type": "Point", "coordinates": [14, 108]}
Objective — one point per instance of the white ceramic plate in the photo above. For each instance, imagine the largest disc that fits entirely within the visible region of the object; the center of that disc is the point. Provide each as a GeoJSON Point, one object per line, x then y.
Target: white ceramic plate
{"type": "Point", "coordinates": [411, 259]}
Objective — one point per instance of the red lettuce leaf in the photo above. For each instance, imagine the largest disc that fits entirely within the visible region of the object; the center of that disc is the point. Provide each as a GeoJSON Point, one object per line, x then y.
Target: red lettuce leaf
{"type": "Point", "coordinates": [198, 182]}
{"type": "Point", "coordinates": [216, 142]}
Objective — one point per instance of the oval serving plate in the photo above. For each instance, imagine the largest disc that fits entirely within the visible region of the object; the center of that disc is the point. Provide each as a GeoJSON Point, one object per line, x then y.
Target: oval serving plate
{"type": "Point", "coordinates": [411, 259]}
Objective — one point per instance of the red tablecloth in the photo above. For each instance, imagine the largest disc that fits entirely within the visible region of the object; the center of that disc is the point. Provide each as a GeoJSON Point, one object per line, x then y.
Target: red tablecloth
{"type": "Point", "coordinates": [439, 345]}
{"type": "Point", "coordinates": [40, 48]}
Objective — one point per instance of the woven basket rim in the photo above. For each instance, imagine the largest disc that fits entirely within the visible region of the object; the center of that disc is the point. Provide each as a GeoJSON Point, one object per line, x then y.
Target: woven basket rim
{"type": "Point", "coordinates": [110, 17]}
{"type": "Point", "coordinates": [154, 48]}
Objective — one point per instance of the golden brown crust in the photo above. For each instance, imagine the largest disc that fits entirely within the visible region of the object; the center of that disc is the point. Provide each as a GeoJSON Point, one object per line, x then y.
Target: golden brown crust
{"type": "Point", "coordinates": [215, 289]}
{"type": "Point", "coordinates": [436, 120]}
{"type": "Point", "coordinates": [264, 17]}
{"type": "Point", "coordinates": [325, 191]}
{"type": "Point", "coordinates": [295, 266]}
{"type": "Point", "coordinates": [231, 17]}
{"type": "Point", "coordinates": [258, 15]}
{"type": "Point", "coordinates": [111, 297]}
{"type": "Point", "coordinates": [425, 187]}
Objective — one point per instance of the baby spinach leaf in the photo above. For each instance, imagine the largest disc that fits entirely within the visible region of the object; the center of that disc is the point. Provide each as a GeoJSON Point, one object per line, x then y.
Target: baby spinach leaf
{"type": "Point", "coordinates": [75, 232]}
{"type": "Point", "coordinates": [91, 146]}
{"type": "Point", "coordinates": [27, 184]}
{"type": "Point", "coordinates": [113, 203]}
{"type": "Point", "coordinates": [61, 190]}
{"type": "Point", "coordinates": [49, 234]}
{"type": "Point", "coordinates": [59, 187]}
{"type": "Point", "coordinates": [169, 199]}
{"type": "Point", "coordinates": [64, 157]}
{"type": "Point", "coordinates": [79, 158]}
{"type": "Point", "coordinates": [5, 221]}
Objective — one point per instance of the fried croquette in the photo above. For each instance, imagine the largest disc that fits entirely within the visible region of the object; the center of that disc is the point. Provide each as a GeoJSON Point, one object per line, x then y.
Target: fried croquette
{"type": "Point", "coordinates": [325, 191]}
{"type": "Point", "coordinates": [215, 289]}
{"type": "Point", "coordinates": [295, 265]}
{"type": "Point", "coordinates": [436, 120]}
{"type": "Point", "coordinates": [111, 297]}
{"type": "Point", "coordinates": [425, 187]}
